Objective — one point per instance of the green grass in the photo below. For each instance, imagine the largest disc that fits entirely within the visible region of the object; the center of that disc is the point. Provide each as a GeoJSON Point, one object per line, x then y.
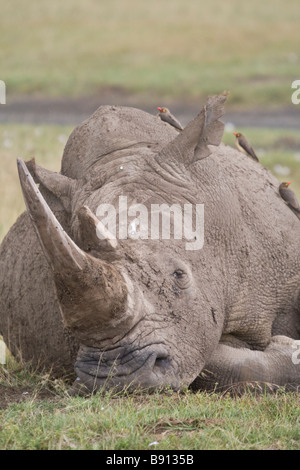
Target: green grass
{"type": "Point", "coordinates": [173, 48]}
{"type": "Point", "coordinates": [173, 421]}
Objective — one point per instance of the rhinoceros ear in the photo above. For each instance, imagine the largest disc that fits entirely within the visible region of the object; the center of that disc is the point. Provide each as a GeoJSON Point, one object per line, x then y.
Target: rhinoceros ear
{"type": "Point", "coordinates": [59, 185]}
{"type": "Point", "coordinates": [192, 143]}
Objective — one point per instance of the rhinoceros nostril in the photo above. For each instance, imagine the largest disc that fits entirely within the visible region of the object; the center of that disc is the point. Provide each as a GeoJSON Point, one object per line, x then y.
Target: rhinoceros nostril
{"type": "Point", "coordinates": [162, 361]}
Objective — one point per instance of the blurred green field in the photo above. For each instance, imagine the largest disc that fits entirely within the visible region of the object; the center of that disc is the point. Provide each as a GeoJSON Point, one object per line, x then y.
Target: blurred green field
{"type": "Point", "coordinates": [278, 150]}
{"type": "Point", "coordinates": [174, 48]}
{"type": "Point", "coordinates": [46, 143]}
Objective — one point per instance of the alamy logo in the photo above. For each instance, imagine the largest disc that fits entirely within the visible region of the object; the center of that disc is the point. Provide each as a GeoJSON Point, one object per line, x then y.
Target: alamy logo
{"type": "Point", "coordinates": [161, 222]}
{"type": "Point", "coordinates": [296, 94]}
{"type": "Point", "coordinates": [2, 92]}
{"type": "Point", "coordinates": [2, 352]}
{"type": "Point", "coordinates": [296, 354]}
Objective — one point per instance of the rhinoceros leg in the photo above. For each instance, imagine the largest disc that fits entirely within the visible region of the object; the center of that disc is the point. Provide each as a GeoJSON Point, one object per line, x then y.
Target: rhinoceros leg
{"type": "Point", "coordinates": [235, 369]}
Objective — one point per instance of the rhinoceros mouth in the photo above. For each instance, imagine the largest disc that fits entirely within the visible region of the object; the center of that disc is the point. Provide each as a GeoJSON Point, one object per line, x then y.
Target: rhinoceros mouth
{"type": "Point", "coordinates": [148, 367]}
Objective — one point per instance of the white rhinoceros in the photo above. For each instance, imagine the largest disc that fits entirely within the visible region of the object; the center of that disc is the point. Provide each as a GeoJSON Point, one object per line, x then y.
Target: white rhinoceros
{"type": "Point", "coordinates": [132, 304]}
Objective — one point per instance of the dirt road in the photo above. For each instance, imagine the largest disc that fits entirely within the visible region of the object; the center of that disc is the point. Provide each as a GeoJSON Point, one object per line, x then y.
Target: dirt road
{"type": "Point", "coordinates": [40, 110]}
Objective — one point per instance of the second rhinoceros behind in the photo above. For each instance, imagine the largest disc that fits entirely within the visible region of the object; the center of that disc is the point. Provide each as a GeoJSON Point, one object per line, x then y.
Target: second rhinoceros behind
{"type": "Point", "coordinates": [143, 310]}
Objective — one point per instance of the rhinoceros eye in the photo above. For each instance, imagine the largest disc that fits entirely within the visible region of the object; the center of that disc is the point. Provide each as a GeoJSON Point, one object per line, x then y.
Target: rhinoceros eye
{"type": "Point", "coordinates": [178, 274]}
{"type": "Point", "coordinates": [183, 279]}
{"type": "Point", "coordinates": [181, 274]}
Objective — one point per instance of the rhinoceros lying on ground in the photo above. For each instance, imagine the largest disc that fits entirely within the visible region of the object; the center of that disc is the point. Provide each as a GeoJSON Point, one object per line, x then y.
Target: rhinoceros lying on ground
{"type": "Point", "coordinates": [139, 309]}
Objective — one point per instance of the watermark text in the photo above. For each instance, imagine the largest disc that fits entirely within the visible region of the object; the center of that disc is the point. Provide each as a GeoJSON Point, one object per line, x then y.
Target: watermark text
{"type": "Point", "coordinates": [2, 352]}
{"type": "Point", "coordinates": [296, 354]}
{"type": "Point", "coordinates": [2, 92]}
{"type": "Point", "coordinates": [157, 222]}
{"type": "Point", "coordinates": [296, 94]}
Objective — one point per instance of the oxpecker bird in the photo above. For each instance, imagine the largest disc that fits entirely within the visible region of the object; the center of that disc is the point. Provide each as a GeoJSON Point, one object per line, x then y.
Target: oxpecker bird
{"type": "Point", "coordinates": [290, 198]}
{"type": "Point", "coordinates": [243, 145]}
{"type": "Point", "coordinates": [166, 116]}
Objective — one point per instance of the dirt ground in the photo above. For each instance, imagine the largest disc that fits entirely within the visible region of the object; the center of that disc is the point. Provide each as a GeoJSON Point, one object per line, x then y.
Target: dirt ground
{"type": "Point", "coordinates": [67, 111]}
{"type": "Point", "coordinates": [9, 395]}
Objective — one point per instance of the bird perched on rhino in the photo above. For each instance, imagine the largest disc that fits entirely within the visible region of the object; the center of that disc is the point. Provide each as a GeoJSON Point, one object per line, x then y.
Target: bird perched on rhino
{"type": "Point", "coordinates": [243, 145]}
{"type": "Point", "coordinates": [290, 198]}
{"type": "Point", "coordinates": [166, 116]}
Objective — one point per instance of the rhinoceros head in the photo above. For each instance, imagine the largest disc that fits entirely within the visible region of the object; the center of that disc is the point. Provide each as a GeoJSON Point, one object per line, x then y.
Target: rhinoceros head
{"type": "Point", "coordinates": [135, 297]}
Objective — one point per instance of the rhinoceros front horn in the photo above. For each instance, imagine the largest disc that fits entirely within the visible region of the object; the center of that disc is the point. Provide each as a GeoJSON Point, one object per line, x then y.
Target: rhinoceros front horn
{"type": "Point", "coordinates": [91, 292]}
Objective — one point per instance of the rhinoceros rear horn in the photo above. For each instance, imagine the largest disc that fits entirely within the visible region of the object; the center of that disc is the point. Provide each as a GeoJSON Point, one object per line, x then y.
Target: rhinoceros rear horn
{"type": "Point", "coordinates": [93, 234]}
{"type": "Point", "coordinates": [92, 293]}
{"type": "Point", "coordinates": [192, 143]}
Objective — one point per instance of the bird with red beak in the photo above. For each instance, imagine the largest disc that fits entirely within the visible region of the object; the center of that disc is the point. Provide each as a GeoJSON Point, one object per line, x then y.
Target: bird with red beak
{"type": "Point", "coordinates": [290, 198]}
{"type": "Point", "coordinates": [243, 145]}
{"type": "Point", "coordinates": [166, 116]}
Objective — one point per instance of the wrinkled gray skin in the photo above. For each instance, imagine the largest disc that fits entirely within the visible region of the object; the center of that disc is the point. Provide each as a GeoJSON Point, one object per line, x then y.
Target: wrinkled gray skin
{"type": "Point", "coordinates": [149, 313]}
